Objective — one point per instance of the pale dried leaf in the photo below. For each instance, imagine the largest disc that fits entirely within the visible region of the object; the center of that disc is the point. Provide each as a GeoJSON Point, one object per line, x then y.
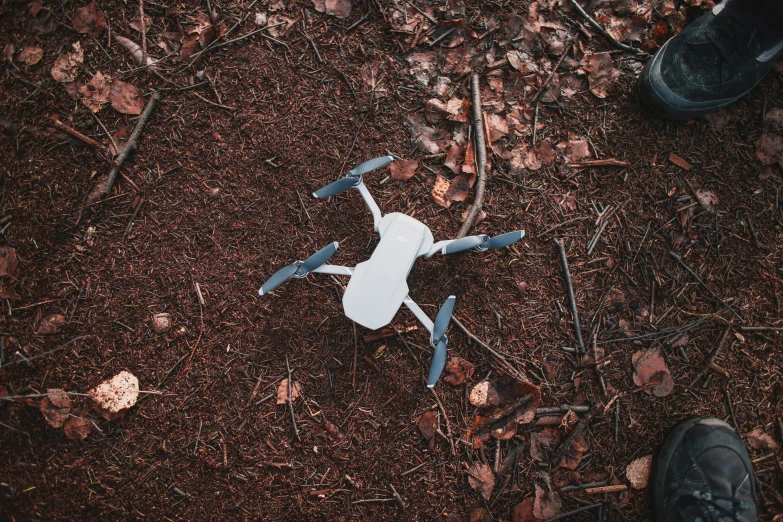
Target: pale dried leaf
{"type": "Point", "coordinates": [66, 66]}
{"type": "Point", "coordinates": [89, 20]}
{"type": "Point", "coordinates": [161, 322]}
{"type": "Point", "coordinates": [651, 372]}
{"type": "Point", "coordinates": [338, 8]}
{"type": "Point", "coordinates": [707, 199]}
{"type": "Point", "coordinates": [50, 324]}
{"type": "Point", "coordinates": [439, 191]}
{"type": "Point", "coordinates": [577, 150]}
{"type": "Point", "coordinates": [9, 262]}
{"type": "Point", "coordinates": [458, 371]}
{"type": "Point", "coordinates": [638, 472]}
{"type": "Point", "coordinates": [282, 391]}
{"type": "Point", "coordinates": [30, 55]}
{"type": "Point", "coordinates": [428, 139]}
{"type": "Point", "coordinates": [601, 73]}
{"type": "Point", "coordinates": [136, 52]}
{"type": "Point", "coordinates": [116, 395]}
{"type": "Point", "coordinates": [77, 428]}
{"type": "Point", "coordinates": [523, 512]}
{"type": "Point", "coordinates": [95, 93]}
{"type": "Point", "coordinates": [55, 407]}
{"type": "Point", "coordinates": [769, 148]}
{"type": "Point", "coordinates": [428, 424]}
{"type": "Point", "coordinates": [680, 162]}
{"type": "Point", "coordinates": [547, 504]}
{"type": "Point", "coordinates": [775, 116]}
{"type": "Point", "coordinates": [481, 479]}
{"type": "Point", "coordinates": [403, 170]}
{"type": "Point", "coordinates": [759, 440]}
{"type": "Point", "coordinates": [136, 23]}
{"type": "Point", "coordinates": [280, 29]}
{"type": "Point", "coordinates": [126, 98]}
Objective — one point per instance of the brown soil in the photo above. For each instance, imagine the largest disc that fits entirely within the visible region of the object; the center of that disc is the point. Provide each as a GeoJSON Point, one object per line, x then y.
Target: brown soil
{"type": "Point", "coordinates": [198, 451]}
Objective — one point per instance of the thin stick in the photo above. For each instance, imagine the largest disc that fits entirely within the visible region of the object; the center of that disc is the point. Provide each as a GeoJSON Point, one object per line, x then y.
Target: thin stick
{"type": "Point", "coordinates": [355, 353]}
{"type": "Point", "coordinates": [414, 469]}
{"type": "Point", "coordinates": [290, 402]}
{"type": "Point", "coordinates": [572, 512]}
{"type": "Point", "coordinates": [745, 329]}
{"type": "Point", "coordinates": [129, 146]}
{"type": "Point", "coordinates": [358, 23]}
{"type": "Point", "coordinates": [424, 14]}
{"type": "Point", "coordinates": [535, 124]}
{"type": "Point", "coordinates": [397, 497]}
{"type": "Point", "coordinates": [200, 295]}
{"type": "Point", "coordinates": [602, 31]}
{"type": "Point", "coordinates": [564, 223]}
{"type": "Point", "coordinates": [446, 420]}
{"type": "Point", "coordinates": [78, 135]}
{"type": "Point", "coordinates": [606, 489]}
{"type": "Point", "coordinates": [570, 290]}
{"type": "Point", "coordinates": [593, 242]}
{"type": "Point", "coordinates": [606, 162]}
{"type": "Point", "coordinates": [481, 155]}
{"type": "Point", "coordinates": [255, 389]}
{"type": "Point", "coordinates": [571, 437]}
{"type": "Point", "coordinates": [441, 37]}
{"type": "Point", "coordinates": [133, 217]}
{"type": "Point", "coordinates": [702, 283]}
{"type": "Point", "coordinates": [552, 74]}
{"type": "Point", "coordinates": [508, 367]}
{"type": "Point", "coordinates": [711, 359]}
{"type": "Point", "coordinates": [61, 347]}
{"type": "Point", "coordinates": [198, 437]}
{"type": "Point", "coordinates": [143, 34]}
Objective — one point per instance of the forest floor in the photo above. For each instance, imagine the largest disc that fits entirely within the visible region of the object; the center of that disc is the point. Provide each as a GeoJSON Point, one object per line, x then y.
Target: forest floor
{"type": "Point", "coordinates": [217, 197]}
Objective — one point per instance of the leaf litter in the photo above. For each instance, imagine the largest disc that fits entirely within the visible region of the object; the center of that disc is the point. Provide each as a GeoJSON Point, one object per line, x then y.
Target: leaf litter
{"type": "Point", "coordinates": [651, 373]}
{"type": "Point", "coordinates": [113, 397]}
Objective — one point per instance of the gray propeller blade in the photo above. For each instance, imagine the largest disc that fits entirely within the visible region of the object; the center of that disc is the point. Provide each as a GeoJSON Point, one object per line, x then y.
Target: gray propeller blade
{"type": "Point", "coordinates": [334, 188]}
{"type": "Point", "coordinates": [278, 278]}
{"type": "Point", "coordinates": [505, 240]}
{"type": "Point", "coordinates": [438, 362]}
{"type": "Point", "coordinates": [465, 243]}
{"type": "Point", "coordinates": [319, 258]}
{"type": "Point", "coordinates": [369, 165]}
{"type": "Point", "coordinates": [442, 319]}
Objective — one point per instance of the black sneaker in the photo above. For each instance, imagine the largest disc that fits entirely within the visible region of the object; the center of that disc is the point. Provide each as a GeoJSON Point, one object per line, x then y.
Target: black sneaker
{"type": "Point", "coordinates": [703, 474]}
{"type": "Point", "coordinates": [714, 61]}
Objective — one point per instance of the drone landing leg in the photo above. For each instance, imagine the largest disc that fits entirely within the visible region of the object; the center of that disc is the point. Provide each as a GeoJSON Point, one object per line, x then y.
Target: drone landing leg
{"type": "Point", "coordinates": [419, 313]}
{"type": "Point", "coordinates": [334, 269]}
{"type": "Point", "coordinates": [373, 206]}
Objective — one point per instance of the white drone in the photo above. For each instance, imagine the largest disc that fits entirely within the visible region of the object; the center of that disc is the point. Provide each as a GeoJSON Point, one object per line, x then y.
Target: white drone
{"type": "Point", "coordinates": [378, 286]}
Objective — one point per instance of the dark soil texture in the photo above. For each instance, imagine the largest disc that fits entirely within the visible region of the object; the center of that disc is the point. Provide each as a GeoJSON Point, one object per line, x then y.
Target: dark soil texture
{"type": "Point", "coordinates": [217, 197]}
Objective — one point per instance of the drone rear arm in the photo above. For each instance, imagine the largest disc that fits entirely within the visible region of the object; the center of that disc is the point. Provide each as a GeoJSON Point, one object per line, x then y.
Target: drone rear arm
{"type": "Point", "coordinates": [438, 247]}
{"type": "Point", "coordinates": [373, 206]}
{"type": "Point", "coordinates": [419, 313]}
{"type": "Point", "coordinates": [334, 269]}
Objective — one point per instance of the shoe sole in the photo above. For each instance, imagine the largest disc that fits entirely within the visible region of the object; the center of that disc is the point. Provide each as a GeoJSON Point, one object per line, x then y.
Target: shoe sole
{"type": "Point", "coordinates": [665, 453]}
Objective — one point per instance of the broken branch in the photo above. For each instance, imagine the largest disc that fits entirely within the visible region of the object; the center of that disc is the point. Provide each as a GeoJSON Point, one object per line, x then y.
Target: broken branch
{"type": "Point", "coordinates": [481, 155]}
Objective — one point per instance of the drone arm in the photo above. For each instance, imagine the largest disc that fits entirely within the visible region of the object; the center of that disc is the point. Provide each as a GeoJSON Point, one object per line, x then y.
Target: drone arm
{"type": "Point", "coordinates": [374, 209]}
{"type": "Point", "coordinates": [419, 313]}
{"type": "Point", "coordinates": [334, 269]}
{"type": "Point", "coordinates": [438, 247]}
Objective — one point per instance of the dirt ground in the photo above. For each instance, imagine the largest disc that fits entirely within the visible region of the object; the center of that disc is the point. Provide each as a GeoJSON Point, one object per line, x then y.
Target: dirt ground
{"type": "Point", "coordinates": [217, 198]}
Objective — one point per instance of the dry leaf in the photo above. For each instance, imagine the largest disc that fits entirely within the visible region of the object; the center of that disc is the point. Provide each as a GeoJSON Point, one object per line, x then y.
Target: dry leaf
{"type": "Point", "coordinates": [50, 324]}
{"type": "Point", "coordinates": [480, 515]}
{"type": "Point", "coordinates": [453, 157]}
{"type": "Point", "coordinates": [638, 472]}
{"type": "Point", "coordinates": [484, 395]}
{"type": "Point", "coordinates": [112, 398]}
{"type": "Point", "coordinates": [769, 148]}
{"type": "Point", "coordinates": [89, 20]}
{"type": "Point", "coordinates": [459, 188]}
{"type": "Point", "coordinates": [481, 479]}
{"type": "Point", "coordinates": [66, 66]}
{"type": "Point", "coordinates": [428, 424]}
{"type": "Point", "coordinates": [126, 98]}
{"type": "Point", "coordinates": [9, 262]}
{"type": "Point", "coordinates": [680, 162]}
{"type": "Point", "coordinates": [601, 73]}
{"type": "Point", "coordinates": [573, 457]}
{"type": "Point", "coordinates": [55, 407]}
{"type": "Point", "coordinates": [77, 428]}
{"type": "Point", "coordinates": [651, 372]}
{"type": "Point", "coordinates": [120, 137]}
{"type": "Point", "coordinates": [759, 440]}
{"type": "Point", "coordinates": [775, 116]}
{"type": "Point", "coordinates": [577, 150]}
{"type": "Point", "coordinates": [707, 199]}
{"type": "Point", "coordinates": [282, 391]}
{"type": "Point", "coordinates": [403, 170]}
{"type": "Point", "coordinates": [542, 444]}
{"type": "Point", "coordinates": [507, 403]}
{"type": "Point", "coordinates": [423, 66]}
{"type": "Point", "coordinates": [30, 55]}
{"type": "Point", "coordinates": [439, 191]}
{"type": "Point", "coordinates": [546, 504]}
{"type": "Point", "coordinates": [338, 8]}
{"type": "Point", "coordinates": [523, 512]}
{"type": "Point", "coordinates": [8, 52]}
{"type": "Point", "coordinates": [137, 53]}
{"type": "Point", "coordinates": [280, 30]}
{"type": "Point", "coordinates": [95, 93]}
{"type": "Point", "coordinates": [498, 126]}
{"type": "Point", "coordinates": [428, 139]}
{"type": "Point", "coordinates": [458, 371]}
{"type": "Point", "coordinates": [136, 23]}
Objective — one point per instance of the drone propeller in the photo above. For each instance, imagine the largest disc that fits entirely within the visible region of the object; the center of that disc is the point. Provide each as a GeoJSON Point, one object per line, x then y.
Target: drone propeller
{"type": "Point", "coordinates": [299, 269]}
{"type": "Point", "coordinates": [483, 242]}
{"type": "Point", "coordinates": [353, 177]}
{"type": "Point", "coordinates": [440, 341]}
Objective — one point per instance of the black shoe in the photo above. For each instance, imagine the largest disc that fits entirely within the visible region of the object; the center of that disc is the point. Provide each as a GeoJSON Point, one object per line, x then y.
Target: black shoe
{"type": "Point", "coordinates": [703, 474]}
{"type": "Point", "coordinates": [714, 61]}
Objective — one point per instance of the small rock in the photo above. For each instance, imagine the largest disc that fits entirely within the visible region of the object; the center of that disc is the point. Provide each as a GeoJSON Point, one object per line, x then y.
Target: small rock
{"type": "Point", "coordinates": [180, 331]}
{"type": "Point", "coordinates": [214, 193]}
{"type": "Point", "coordinates": [161, 323]}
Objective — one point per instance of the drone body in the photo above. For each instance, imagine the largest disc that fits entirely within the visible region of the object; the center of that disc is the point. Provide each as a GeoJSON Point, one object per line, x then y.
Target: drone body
{"type": "Point", "coordinates": [378, 287]}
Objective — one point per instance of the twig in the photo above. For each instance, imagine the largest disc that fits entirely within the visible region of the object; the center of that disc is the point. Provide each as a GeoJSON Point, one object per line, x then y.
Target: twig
{"type": "Point", "coordinates": [481, 156]}
{"type": "Point", "coordinates": [255, 389]}
{"type": "Point", "coordinates": [78, 135]}
{"type": "Point", "coordinates": [368, 500]}
{"type": "Point", "coordinates": [731, 409]}
{"type": "Point", "coordinates": [570, 439]}
{"type": "Point", "coordinates": [441, 37]}
{"type": "Point", "coordinates": [564, 408]}
{"type": "Point", "coordinates": [508, 367]}
{"type": "Point", "coordinates": [572, 512]}
{"type": "Point", "coordinates": [564, 223]}
{"type": "Point", "coordinates": [596, 237]}
{"type": "Point", "coordinates": [535, 124]}
{"type": "Point", "coordinates": [237, 39]}
{"type": "Point", "coordinates": [220, 105]}
{"type": "Point", "coordinates": [711, 359]}
{"type": "Point", "coordinates": [602, 31]}
{"type": "Point", "coordinates": [200, 295]}
{"type": "Point", "coordinates": [570, 290]}
{"type": "Point", "coordinates": [358, 22]}
{"type": "Point", "coordinates": [617, 488]}
{"type": "Point", "coordinates": [607, 162]}
{"type": "Point", "coordinates": [61, 347]}
{"type": "Point", "coordinates": [129, 146]}
{"type": "Point", "coordinates": [290, 402]}
{"type": "Point", "coordinates": [143, 33]}
{"type": "Point", "coordinates": [423, 13]}
{"type": "Point", "coordinates": [198, 437]}
{"type": "Point", "coordinates": [552, 74]}
{"type": "Point", "coordinates": [133, 217]}
{"type": "Point", "coordinates": [702, 283]}
{"type": "Point", "coordinates": [446, 420]}
{"type": "Point", "coordinates": [748, 329]}
{"type": "Point", "coordinates": [413, 469]}
{"type": "Point", "coordinates": [397, 497]}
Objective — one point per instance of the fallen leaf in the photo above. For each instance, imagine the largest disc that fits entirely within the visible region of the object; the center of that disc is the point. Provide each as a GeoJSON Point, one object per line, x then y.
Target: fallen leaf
{"type": "Point", "coordinates": [521, 62]}
{"type": "Point", "coordinates": [77, 428]}
{"type": "Point", "coordinates": [651, 372]}
{"type": "Point", "coordinates": [573, 457]}
{"type": "Point", "coordinates": [338, 8]}
{"type": "Point", "coordinates": [759, 440]}
{"type": "Point", "coordinates": [484, 395]}
{"type": "Point", "coordinates": [95, 93]}
{"type": "Point", "coordinates": [286, 24]}
{"type": "Point", "coordinates": [458, 371]}
{"type": "Point", "coordinates": [9, 262]}
{"type": "Point", "coordinates": [8, 52]}
{"type": "Point", "coordinates": [680, 162]}
{"type": "Point", "coordinates": [507, 403]}
{"type": "Point", "coordinates": [422, 66]}
{"type": "Point", "coordinates": [638, 472]}
{"type": "Point", "coordinates": [428, 424]}
{"type": "Point", "coordinates": [35, 7]}
{"type": "Point", "coordinates": [137, 53]}
{"type": "Point", "coordinates": [498, 126]}
{"type": "Point", "coordinates": [601, 73]}
{"type": "Point", "coordinates": [459, 188]}
{"type": "Point", "coordinates": [89, 20]}
{"type": "Point", "coordinates": [546, 504]}
{"type": "Point", "coordinates": [681, 341]}
{"type": "Point", "coordinates": [439, 191]}
{"type": "Point", "coordinates": [66, 66]}
{"type": "Point", "coordinates": [775, 116]}
{"type": "Point", "coordinates": [50, 324]}
{"type": "Point", "coordinates": [719, 119]}
{"type": "Point", "coordinates": [577, 150]}
{"type": "Point", "coordinates": [428, 139]}
{"type": "Point", "coordinates": [333, 431]}
{"type": "Point", "coordinates": [30, 55]}
{"type": "Point", "coordinates": [112, 398]}
{"type": "Point", "coordinates": [454, 156]}
{"type": "Point", "coordinates": [282, 391]}
{"type": "Point", "coordinates": [707, 199]}
{"type": "Point", "coordinates": [542, 443]}
{"type": "Point", "coordinates": [55, 407]}
{"type": "Point", "coordinates": [523, 512]}
{"type": "Point", "coordinates": [481, 479]}
{"type": "Point", "coordinates": [120, 137]}
{"type": "Point", "coordinates": [469, 165]}
{"type": "Point", "coordinates": [480, 515]}
{"type": "Point", "coordinates": [260, 18]}
{"type": "Point", "coordinates": [403, 170]}
{"type": "Point", "coordinates": [136, 23]}
{"type": "Point", "coordinates": [126, 98]}
{"type": "Point", "coordinates": [769, 148]}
